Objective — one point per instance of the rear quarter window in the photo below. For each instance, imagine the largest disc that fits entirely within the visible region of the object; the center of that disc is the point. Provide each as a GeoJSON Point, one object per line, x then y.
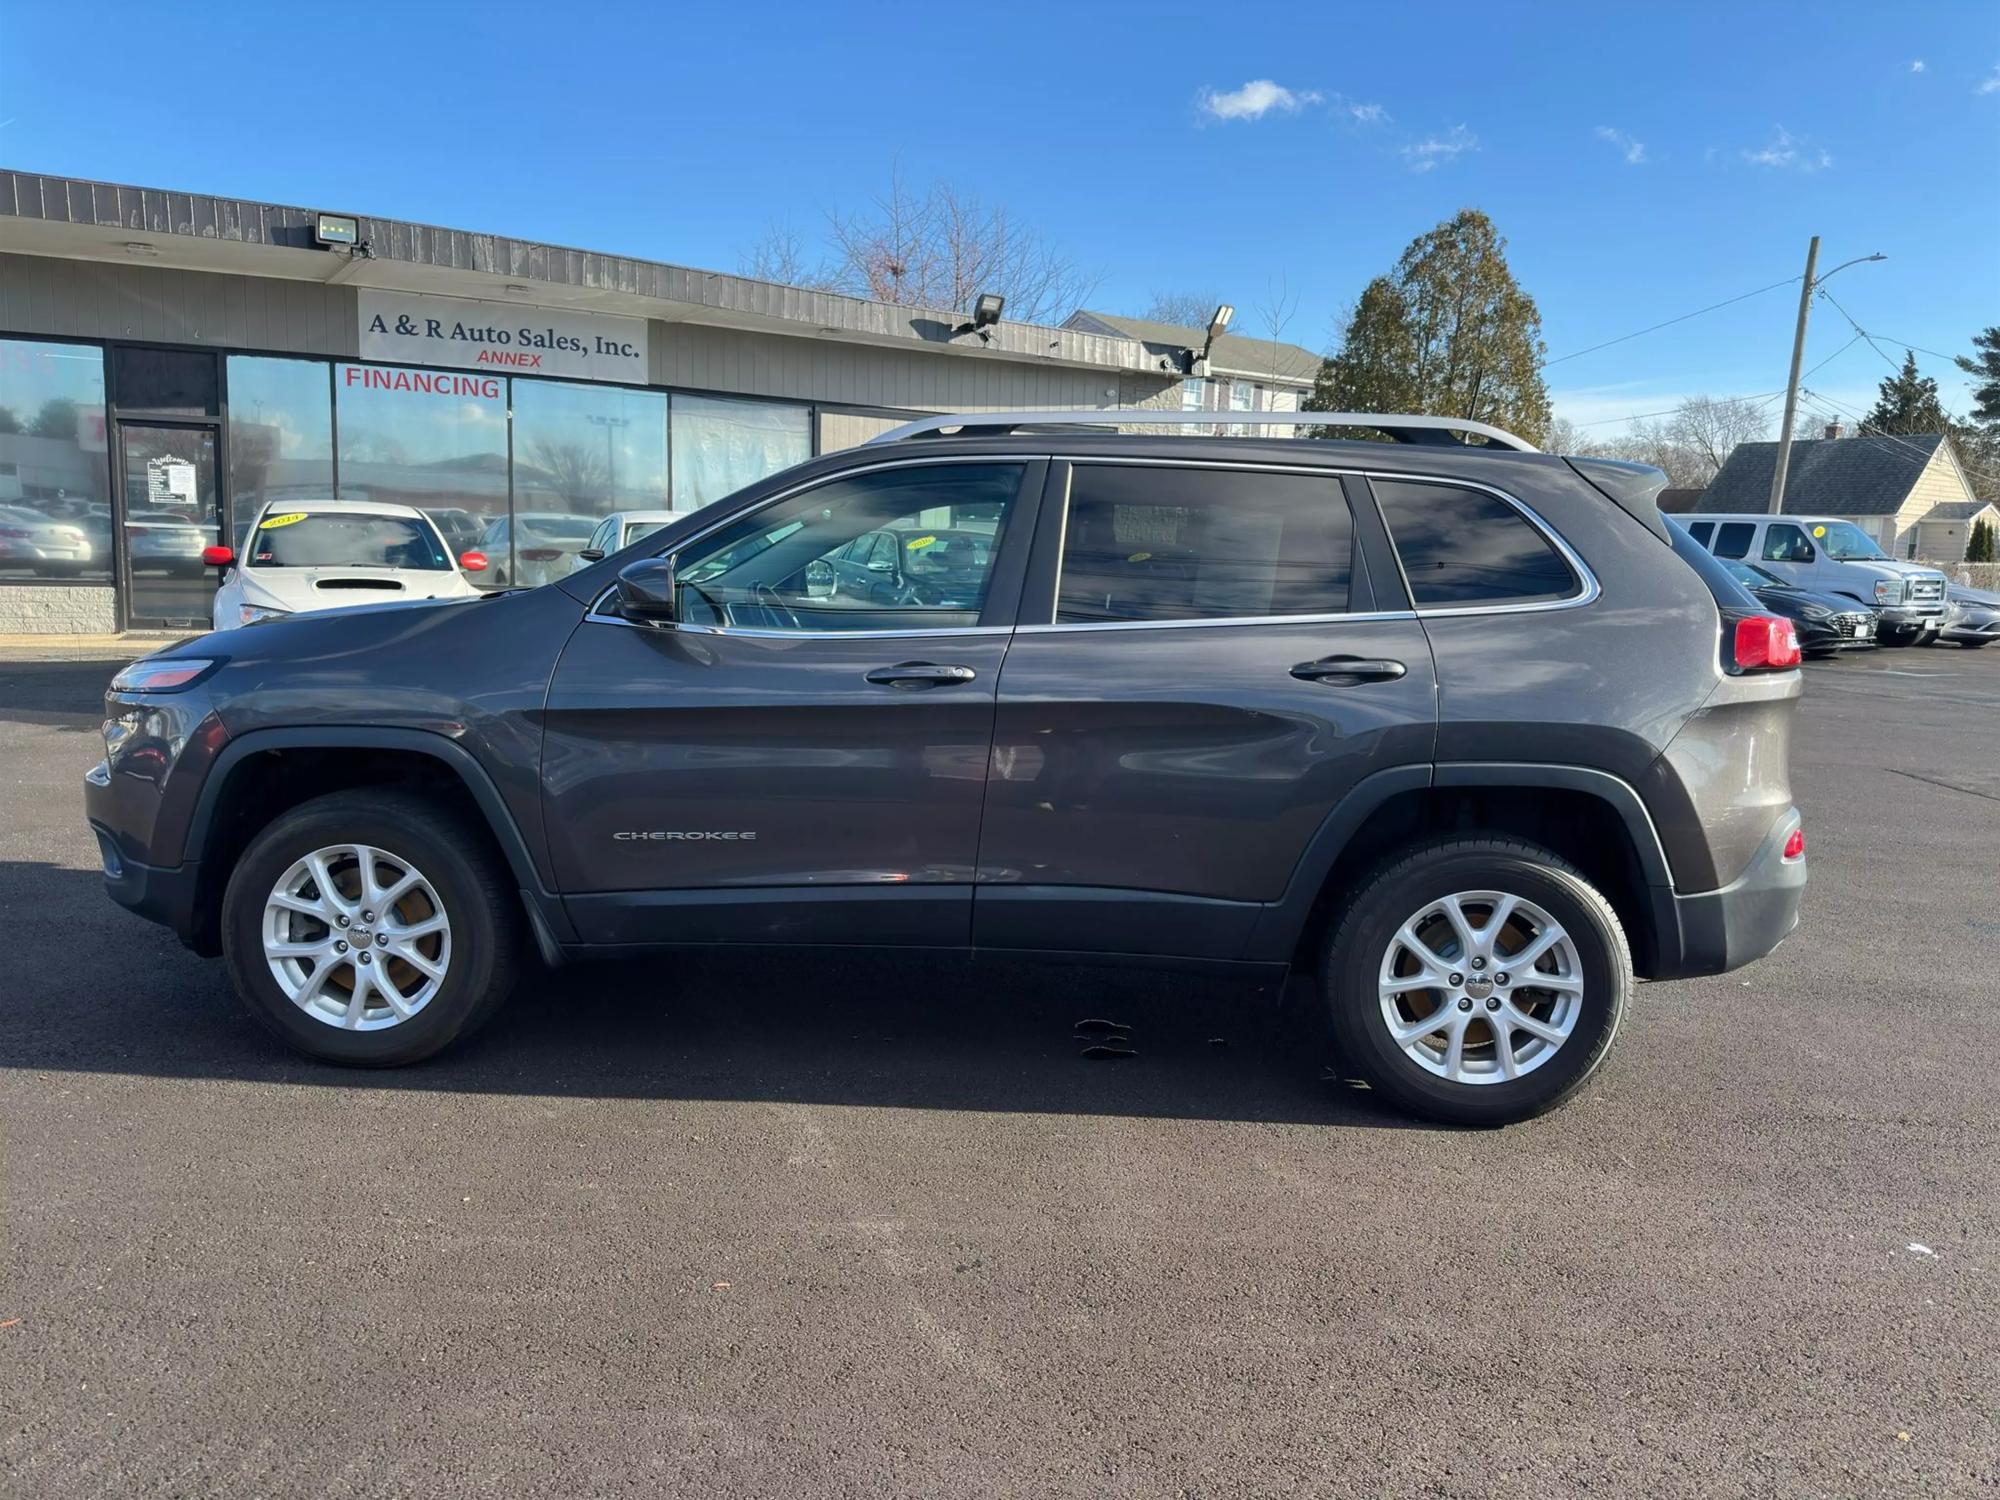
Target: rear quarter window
{"type": "Point", "coordinates": [1462, 547]}
{"type": "Point", "coordinates": [1732, 539]}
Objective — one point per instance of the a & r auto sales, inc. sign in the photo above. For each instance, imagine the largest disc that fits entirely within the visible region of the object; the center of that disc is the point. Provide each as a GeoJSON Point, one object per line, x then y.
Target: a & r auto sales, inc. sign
{"type": "Point", "coordinates": [500, 338]}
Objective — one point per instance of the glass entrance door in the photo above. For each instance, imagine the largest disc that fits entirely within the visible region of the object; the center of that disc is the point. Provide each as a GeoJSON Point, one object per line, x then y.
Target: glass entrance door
{"type": "Point", "coordinates": [172, 511]}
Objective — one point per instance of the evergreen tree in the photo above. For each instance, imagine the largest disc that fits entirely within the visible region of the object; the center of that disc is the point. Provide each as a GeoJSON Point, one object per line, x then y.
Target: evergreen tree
{"type": "Point", "coordinates": [1979, 546]}
{"type": "Point", "coordinates": [1985, 368]}
{"type": "Point", "coordinates": [1449, 333]}
{"type": "Point", "coordinates": [1907, 403]}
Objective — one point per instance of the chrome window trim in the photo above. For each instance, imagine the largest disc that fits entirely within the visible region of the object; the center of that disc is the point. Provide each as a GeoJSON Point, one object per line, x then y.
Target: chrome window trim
{"type": "Point", "coordinates": [1590, 590]}
{"type": "Point", "coordinates": [1019, 460]}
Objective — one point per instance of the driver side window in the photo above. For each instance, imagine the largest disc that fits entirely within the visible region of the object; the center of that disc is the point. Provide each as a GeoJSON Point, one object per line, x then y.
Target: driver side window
{"type": "Point", "coordinates": [1784, 542]}
{"type": "Point", "coordinates": [898, 549]}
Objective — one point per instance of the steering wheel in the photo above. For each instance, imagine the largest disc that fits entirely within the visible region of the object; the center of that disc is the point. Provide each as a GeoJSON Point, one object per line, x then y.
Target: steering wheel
{"type": "Point", "coordinates": [768, 596]}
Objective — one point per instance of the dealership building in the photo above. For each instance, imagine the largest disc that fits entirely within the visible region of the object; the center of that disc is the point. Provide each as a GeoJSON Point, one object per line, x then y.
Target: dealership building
{"type": "Point", "coordinates": [171, 362]}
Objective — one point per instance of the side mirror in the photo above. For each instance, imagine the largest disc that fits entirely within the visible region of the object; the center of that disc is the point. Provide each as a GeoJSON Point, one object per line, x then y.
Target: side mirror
{"type": "Point", "coordinates": [592, 554]}
{"type": "Point", "coordinates": [472, 562]}
{"type": "Point", "coordinates": [646, 590]}
{"type": "Point", "coordinates": [218, 557]}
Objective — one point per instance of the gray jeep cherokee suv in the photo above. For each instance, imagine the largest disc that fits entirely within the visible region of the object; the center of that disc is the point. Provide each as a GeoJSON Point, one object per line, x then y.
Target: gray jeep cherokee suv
{"type": "Point", "coordinates": [1470, 733]}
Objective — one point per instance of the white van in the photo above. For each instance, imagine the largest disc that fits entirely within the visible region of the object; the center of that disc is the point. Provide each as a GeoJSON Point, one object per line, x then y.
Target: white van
{"type": "Point", "coordinates": [1832, 556]}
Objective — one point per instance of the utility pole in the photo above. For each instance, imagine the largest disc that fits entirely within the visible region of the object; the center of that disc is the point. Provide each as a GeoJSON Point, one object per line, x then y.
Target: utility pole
{"type": "Point", "coordinates": [1792, 386]}
{"type": "Point", "coordinates": [1812, 285]}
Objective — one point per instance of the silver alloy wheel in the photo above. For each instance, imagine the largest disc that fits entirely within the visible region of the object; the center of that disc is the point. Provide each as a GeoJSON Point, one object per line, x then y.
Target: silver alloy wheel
{"type": "Point", "coordinates": [1481, 987]}
{"type": "Point", "coordinates": [357, 937]}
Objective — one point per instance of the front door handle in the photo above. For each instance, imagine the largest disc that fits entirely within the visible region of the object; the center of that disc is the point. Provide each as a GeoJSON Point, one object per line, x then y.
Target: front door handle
{"type": "Point", "coordinates": [912, 675]}
{"type": "Point", "coordinates": [1349, 671]}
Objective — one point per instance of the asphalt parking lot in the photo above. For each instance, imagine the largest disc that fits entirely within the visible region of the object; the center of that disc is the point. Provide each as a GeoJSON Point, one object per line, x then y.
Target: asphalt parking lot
{"type": "Point", "coordinates": [720, 1227]}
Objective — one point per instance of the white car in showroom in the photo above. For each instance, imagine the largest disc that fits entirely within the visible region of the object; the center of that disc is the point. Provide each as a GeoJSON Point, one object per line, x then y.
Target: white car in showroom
{"type": "Point", "coordinates": [322, 554]}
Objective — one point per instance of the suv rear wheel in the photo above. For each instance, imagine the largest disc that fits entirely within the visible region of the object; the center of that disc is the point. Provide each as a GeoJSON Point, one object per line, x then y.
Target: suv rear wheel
{"type": "Point", "coordinates": [370, 929]}
{"type": "Point", "coordinates": [1477, 981]}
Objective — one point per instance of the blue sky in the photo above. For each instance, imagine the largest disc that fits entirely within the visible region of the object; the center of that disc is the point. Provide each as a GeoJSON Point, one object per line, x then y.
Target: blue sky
{"type": "Point", "coordinates": [1641, 162]}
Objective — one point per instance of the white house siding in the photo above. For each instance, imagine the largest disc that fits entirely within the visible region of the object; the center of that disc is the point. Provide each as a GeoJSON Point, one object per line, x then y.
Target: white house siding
{"type": "Point", "coordinates": [1940, 483]}
{"type": "Point", "coordinates": [1945, 541]}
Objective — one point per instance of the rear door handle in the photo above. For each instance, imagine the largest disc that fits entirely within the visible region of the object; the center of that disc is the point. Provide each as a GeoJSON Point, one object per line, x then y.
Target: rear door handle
{"type": "Point", "coordinates": [1349, 671]}
{"type": "Point", "coordinates": [912, 675]}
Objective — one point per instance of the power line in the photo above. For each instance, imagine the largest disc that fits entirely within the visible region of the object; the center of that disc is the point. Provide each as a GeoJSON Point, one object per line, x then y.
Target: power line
{"type": "Point", "coordinates": [1655, 328]}
{"type": "Point", "coordinates": [1762, 398]}
{"type": "Point", "coordinates": [1837, 410]}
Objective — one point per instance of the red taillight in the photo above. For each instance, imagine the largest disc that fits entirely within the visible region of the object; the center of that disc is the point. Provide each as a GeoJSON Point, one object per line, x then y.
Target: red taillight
{"type": "Point", "coordinates": [1766, 643]}
{"type": "Point", "coordinates": [217, 557]}
{"type": "Point", "coordinates": [1795, 846]}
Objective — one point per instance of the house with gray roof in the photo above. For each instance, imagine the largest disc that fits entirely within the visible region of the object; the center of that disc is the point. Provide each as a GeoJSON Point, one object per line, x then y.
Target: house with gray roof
{"type": "Point", "coordinates": [1243, 373]}
{"type": "Point", "coordinates": [1909, 492]}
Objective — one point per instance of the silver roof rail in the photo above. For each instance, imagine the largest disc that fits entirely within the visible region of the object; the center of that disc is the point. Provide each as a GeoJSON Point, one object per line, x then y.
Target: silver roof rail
{"type": "Point", "coordinates": [1402, 427]}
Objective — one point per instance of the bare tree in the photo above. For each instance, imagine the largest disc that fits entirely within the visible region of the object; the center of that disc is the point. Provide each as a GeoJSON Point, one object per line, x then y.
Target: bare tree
{"type": "Point", "coordinates": [1710, 429]}
{"type": "Point", "coordinates": [1688, 446]}
{"type": "Point", "coordinates": [784, 257]}
{"type": "Point", "coordinates": [1275, 313]}
{"type": "Point", "coordinates": [1183, 309]}
{"type": "Point", "coordinates": [939, 248]}
{"type": "Point", "coordinates": [578, 473]}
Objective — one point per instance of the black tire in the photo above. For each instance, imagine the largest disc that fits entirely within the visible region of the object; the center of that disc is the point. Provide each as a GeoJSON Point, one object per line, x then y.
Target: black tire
{"type": "Point", "coordinates": [1400, 888]}
{"type": "Point", "coordinates": [472, 884]}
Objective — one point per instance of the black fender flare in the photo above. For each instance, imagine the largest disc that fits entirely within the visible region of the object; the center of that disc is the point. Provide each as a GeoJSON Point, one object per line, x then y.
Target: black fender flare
{"type": "Point", "coordinates": [543, 903]}
{"type": "Point", "coordinates": [1283, 922]}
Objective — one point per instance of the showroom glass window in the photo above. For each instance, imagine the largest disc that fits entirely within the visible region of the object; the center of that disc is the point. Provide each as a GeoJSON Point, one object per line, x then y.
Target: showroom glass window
{"type": "Point", "coordinates": [280, 434]}
{"type": "Point", "coordinates": [720, 445]}
{"type": "Point", "coordinates": [55, 490]}
{"type": "Point", "coordinates": [435, 439]}
{"type": "Point", "coordinates": [587, 450]}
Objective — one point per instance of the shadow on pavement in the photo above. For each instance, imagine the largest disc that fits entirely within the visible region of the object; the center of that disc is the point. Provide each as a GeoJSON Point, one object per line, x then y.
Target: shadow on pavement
{"type": "Point", "coordinates": [117, 995]}
{"type": "Point", "coordinates": [63, 694]}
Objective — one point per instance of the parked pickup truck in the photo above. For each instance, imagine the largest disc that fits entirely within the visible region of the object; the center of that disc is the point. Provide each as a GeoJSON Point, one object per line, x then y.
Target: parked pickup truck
{"type": "Point", "coordinates": [1831, 556]}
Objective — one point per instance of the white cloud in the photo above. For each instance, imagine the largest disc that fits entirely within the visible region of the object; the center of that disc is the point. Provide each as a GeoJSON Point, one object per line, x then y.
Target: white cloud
{"type": "Point", "coordinates": [1916, 65]}
{"type": "Point", "coordinates": [1434, 151]}
{"type": "Point", "coordinates": [1990, 84]}
{"type": "Point", "coordinates": [1633, 151]}
{"type": "Point", "coordinates": [1787, 150]}
{"type": "Point", "coordinates": [1359, 112]}
{"type": "Point", "coordinates": [1254, 100]}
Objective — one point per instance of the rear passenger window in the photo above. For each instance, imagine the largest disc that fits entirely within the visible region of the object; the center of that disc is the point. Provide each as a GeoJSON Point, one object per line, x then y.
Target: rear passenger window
{"type": "Point", "coordinates": [1158, 543]}
{"type": "Point", "coordinates": [1701, 531]}
{"type": "Point", "coordinates": [1733, 539]}
{"type": "Point", "coordinates": [1784, 542]}
{"type": "Point", "coordinates": [1468, 547]}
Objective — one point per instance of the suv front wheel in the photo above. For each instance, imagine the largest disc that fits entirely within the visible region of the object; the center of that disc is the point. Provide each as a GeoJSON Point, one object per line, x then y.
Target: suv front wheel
{"type": "Point", "coordinates": [1477, 981]}
{"type": "Point", "coordinates": [369, 928]}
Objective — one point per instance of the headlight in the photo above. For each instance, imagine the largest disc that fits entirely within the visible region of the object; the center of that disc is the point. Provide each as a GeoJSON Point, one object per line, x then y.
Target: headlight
{"type": "Point", "coordinates": [170, 674]}
{"type": "Point", "coordinates": [250, 614]}
{"type": "Point", "coordinates": [1888, 590]}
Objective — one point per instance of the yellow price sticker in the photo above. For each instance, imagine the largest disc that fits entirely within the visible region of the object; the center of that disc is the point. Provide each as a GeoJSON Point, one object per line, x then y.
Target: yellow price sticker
{"type": "Point", "coordinates": [290, 518]}
{"type": "Point", "coordinates": [1140, 557]}
{"type": "Point", "coordinates": [922, 542]}
{"type": "Point", "coordinates": [1819, 531]}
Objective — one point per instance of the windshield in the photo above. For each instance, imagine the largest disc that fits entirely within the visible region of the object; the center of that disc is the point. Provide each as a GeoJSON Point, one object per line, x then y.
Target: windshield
{"type": "Point", "coordinates": [1754, 577]}
{"type": "Point", "coordinates": [636, 529]}
{"type": "Point", "coordinates": [304, 539]}
{"type": "Point", "coordinates": [1845, 541]}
